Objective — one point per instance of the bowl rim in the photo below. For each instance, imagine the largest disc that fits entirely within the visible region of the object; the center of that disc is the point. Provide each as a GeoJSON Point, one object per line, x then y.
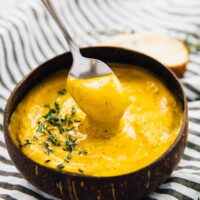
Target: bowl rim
{"type": "Point", "coordinates": [183, 126]}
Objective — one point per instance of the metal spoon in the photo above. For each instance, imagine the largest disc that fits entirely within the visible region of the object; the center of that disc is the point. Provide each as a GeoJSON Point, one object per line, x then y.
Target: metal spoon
{"type": "Point", "coordinates": [82, 67]}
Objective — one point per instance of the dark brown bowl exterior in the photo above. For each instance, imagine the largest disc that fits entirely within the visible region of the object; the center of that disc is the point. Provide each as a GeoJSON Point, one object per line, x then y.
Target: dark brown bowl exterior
{"type": "Point", "coordinates": [72, 186]}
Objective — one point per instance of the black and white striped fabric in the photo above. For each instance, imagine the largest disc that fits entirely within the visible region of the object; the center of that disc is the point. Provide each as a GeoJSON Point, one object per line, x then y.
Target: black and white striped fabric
{"type": "Point", "coordinates": [28, 36]}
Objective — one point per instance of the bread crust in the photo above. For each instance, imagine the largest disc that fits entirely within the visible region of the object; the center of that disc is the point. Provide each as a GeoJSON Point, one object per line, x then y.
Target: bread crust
{"type": "Point", "coordinates": [169, 51]}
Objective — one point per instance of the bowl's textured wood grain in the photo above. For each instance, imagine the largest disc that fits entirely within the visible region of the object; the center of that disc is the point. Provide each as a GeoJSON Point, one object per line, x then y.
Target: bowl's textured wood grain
{"type": "Point", "coordinates": [72, 186]}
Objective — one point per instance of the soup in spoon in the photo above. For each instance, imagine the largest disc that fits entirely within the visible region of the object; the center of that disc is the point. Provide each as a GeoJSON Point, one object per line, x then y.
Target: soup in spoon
{"type": "Point", "coordinates": [102, 98]}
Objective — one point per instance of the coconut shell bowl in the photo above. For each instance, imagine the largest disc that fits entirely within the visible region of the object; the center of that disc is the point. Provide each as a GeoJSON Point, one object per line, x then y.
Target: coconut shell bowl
{"type": "Point", "coordinates": [73, 186]}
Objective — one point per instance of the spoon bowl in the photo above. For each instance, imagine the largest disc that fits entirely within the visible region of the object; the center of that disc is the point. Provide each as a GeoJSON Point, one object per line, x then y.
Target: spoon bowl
{"type": "Point", "coordinates": [88, 68]}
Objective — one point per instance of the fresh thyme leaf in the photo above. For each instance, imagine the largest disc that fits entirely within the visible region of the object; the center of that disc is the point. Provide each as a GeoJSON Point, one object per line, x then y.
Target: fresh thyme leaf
{"type": "Point", "coordinates": [48, 151]}
{"type": "Point", "coordinates": [63, 119]}
{"type": "Point", "coordinates": [70, 144]}
{"type": "Point", "coordinates": [47, 161]}
{"type": "Point", "coordinates": [83, 152]}
{"type": "Point", "coordinates": [46, 148]}
{"type": "Point", "coordinates": [51, 111]}
{"type": "Point", "coordinates": [68, 119]}
{"type": "Point", "coordinates": [52, 138]}
{"type": "Point", "coordinates": [80, 170]}
{"type": "Point", "coordinates": [34, 138]}
{"type": "Point", "coordinates": [27, 142]}
{"type": "Point", "coordinates": [57, 106]}
{"type": "Point", "coordinates": [60, 166]}
{"type": "Point", "coordinates": [50, 116]}
{"type": "Point", "coordinates": [60, 127]}
{"type": "Point", "coordinates": [73, 111]}
{"type": "Point", "coordinates": [47, 106]}
{"type": "Point", "coordinates": [68, 158]}
{"type": "Point", "coordinates": [41, 127]}
{"type": "Point", "coordinates": [62, 91]}
{"type": "Point", "coordinates": [77, 120]}
{"type": "Point", "coordinates": [71, 128]}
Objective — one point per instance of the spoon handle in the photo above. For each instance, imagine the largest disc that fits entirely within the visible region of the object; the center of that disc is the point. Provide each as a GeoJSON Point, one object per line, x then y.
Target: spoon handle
{"type": "Point", "coordinates": [52, 11]}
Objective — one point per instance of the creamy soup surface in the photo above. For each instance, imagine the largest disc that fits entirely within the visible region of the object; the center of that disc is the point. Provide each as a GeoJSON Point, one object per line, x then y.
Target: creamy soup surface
{"type": "Point", "coordinates": [51, 129]}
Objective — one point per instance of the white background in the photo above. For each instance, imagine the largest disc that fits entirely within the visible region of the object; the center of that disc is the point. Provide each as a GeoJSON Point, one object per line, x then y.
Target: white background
{"type": "Point", "coordinates": [7, 4]}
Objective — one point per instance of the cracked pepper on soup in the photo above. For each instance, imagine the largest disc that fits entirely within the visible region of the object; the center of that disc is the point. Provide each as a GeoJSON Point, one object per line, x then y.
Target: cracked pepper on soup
{"type": "Point", "coordinates": [105, 126]}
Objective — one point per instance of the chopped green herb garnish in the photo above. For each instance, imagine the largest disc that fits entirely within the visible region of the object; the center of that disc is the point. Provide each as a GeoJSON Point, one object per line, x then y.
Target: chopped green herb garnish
{"type": "Point", "coordinates": [51, 111]}
{"type": "Point", "coordinates": [60, 127]}
{"type": "Point", "coordinates": [47, 106]}
{"type": "Point", "coordinates": [68, 158]}
{"type": "Point", "coordinates": [69, 129]}
{"type": "Point", "coordinates": [77, 120]}
{"type": "Point", "coordinates": [80, 170]}
{"type": "Point", "coordinates": [62, 91]}
{"type": "Point", "coordinates": [41, 127]}
{"type": "Point", "coordinates": [47, 150]}
{"type": "Point", "coordinates": [70, 144]}
{"type": "Point", "coordinates": [68, 119]}
{"type": "Point", "coordinates": [50, 116]}
{"type": "Point", "coordinates": [83, 152]}
{"type": "Point", "coordinates": [34, 138]}
{"type": "Point", "coordinates": [52, 138]}
{"type": "Point", "coordinates": [57, 106]}
{"type": "Point", "coordinates": [73, 111]}
{"type": "Point", "coordinates": [60, 166]}
{"type": "Point", "coordinates": [27, 142]}
{"type": "Point", "coordinates": [47, 161]}
{"type": "Point", "coordinates": [51, 123]}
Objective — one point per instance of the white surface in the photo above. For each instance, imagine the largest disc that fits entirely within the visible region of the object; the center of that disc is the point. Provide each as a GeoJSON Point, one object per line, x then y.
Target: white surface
{"type": "Point", "coordinates": [7, 4]}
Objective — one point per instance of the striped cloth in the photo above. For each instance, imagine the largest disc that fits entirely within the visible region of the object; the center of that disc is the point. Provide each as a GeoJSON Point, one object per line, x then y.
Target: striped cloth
{"type": "Point", "coordinates": [28, 36]}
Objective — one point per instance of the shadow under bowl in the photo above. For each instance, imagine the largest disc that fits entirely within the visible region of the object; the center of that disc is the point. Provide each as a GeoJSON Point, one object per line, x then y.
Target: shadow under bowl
{"type": "Point", "coordinates": [74, 186]}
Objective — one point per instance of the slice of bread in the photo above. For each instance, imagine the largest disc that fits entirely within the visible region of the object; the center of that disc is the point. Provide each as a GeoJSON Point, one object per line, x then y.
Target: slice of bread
{"type": "Point", "coordinates": [169, 51]}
